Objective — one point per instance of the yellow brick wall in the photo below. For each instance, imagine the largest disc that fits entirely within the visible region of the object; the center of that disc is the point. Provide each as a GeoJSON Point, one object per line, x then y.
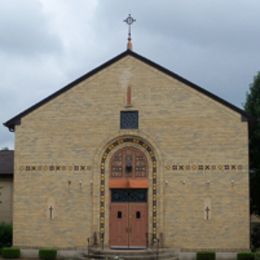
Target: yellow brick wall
{"type": "Point", "coordinates": [184, 127]}
{"type": "Point", "coordinates": [6, 199]}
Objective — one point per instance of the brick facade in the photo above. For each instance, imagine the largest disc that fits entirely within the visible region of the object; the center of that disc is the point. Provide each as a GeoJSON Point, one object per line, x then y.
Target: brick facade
{"type": "Point", "coordinates": [200, 146]}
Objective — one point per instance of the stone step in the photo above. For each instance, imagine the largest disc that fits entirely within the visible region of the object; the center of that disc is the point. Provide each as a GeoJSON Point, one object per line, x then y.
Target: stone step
{"type": "Point", "coordinates": [148, 254]}
{"type": "Point", "coordinates": [135, 257]}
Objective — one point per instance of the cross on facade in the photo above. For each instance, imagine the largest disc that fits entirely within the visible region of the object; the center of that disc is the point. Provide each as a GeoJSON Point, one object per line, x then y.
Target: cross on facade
{"type": "Point", "coordinates": [51, 212]}
{"type": "Point", "coordinates": [207, 212]}
{"type": "Point", "coordinates": [129, 20]}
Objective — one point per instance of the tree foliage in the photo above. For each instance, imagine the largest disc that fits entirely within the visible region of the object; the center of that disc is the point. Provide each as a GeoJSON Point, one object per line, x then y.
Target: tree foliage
{"type": "Point", "coordinates": [4, 149]}
{"type": "Point", "coordinates": [252, 106]}
{"type": "Point", "coordinates": [6, 235]}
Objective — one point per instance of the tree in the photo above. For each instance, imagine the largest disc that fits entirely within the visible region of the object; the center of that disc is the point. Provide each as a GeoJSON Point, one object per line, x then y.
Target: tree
{"type": "Point", "coordinates": [4, 149]}
{"type": "Point", "coordinates": [252, 107]}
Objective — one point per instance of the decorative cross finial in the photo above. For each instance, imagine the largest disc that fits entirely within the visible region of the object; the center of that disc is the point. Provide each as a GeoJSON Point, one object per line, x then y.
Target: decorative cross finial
{"type": "Point", "coordinates": [129, 20]}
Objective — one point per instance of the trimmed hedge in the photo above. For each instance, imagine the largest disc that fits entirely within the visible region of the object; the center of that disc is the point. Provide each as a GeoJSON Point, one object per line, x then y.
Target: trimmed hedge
{"type": "Point", "coordinates": [47, 253]}
{"type": "Point", "coordinates": [255, 236]}
{"type": "Point", "coordinates": [245, 256]}
{"type": "Point", "coordinates": [11, 252]}
{"type": "Point", "coordinates": [6, 235]}
{"type": "Point", "coordinates": [206, 256]}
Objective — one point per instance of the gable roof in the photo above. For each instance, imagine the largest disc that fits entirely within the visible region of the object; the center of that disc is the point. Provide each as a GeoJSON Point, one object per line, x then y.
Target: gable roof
{"type": "Point", "coordinates": [6, 163]}
{"type": "Point", "coordinates": [16, 120]}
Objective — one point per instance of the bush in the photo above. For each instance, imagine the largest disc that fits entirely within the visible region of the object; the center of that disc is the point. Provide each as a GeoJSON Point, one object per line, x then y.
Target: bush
{"type": "Point", "coordinates": [245, 256]}
{"type": "Point", "coordinates": [206, 256]}
{"type": "Point", "coordinates": [47, 254]}
{"type": "Point", "coordinates": [257, 256]}
{"type": "Point", "coordinates": [6, 235]}
{"type": "Point", "coordinates": [255, 235]}
{"type": "Point", "coordinates": [11, 252]}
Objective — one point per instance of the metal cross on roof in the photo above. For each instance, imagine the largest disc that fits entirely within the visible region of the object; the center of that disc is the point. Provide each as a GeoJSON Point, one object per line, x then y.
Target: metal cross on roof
{"type": "Point", "coordinates": [129, 20]}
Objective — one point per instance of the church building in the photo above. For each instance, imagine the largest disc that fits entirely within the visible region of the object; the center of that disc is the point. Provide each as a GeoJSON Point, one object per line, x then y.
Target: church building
{"type": "Point", "coordinates": [131, 155]}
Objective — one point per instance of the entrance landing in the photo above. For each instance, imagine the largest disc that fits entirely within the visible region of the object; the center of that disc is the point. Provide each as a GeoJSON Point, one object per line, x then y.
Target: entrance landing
{"type": "Point", "coordinates": [140, 254]}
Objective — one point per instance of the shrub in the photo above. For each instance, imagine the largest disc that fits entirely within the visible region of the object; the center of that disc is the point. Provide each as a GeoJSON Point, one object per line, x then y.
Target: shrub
{"type": "Point", "coordinates": [257, 256]}
{"type": "Point", "coordinates": [206, 256]}
{"type": "Point", "coordinates": [255, 236]}
{"type": "Point", "coordinates": [6, 235]}
{"type": "Point", "coordinates": [11, 252]}
{"type": "Point", "coordinates": [47, 254]}
{"type": "Point", "coordinates": [245, 256]}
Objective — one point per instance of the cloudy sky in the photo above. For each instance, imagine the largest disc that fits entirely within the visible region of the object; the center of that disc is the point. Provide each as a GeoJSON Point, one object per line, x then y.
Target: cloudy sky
{"type": "Point", "coordinates": [45, 44]}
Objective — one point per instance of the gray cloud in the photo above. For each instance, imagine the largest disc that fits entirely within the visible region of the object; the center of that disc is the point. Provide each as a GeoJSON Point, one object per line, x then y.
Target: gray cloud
{"type": "Point", "coordinates": [45, 44]}
{"type": "Point", "coordinates": [25, 29]}
{"type": "Point", "coordinates": [215, 24]}
{"type": "Point", "coordinates": [212, 43]}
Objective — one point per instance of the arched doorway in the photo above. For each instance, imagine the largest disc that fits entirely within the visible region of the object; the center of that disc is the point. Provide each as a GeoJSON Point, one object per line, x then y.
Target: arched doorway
{"type": "Point", "coordinates": [128, 185]}
{"type": "Point", "coordinates": [106, 184]}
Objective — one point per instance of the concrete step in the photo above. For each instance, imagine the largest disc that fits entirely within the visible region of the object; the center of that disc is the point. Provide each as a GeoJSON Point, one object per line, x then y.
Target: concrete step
{"type": "Point", "coordinates": [136, 257]}
{"type": "Point", "coordinates": [147, 254]}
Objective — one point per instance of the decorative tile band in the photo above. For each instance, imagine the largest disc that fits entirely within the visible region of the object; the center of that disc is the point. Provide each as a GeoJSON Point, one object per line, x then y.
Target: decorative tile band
{"type": "Point", "coordinates": [28, 168]}
{"type": "Point", "coordinates": [205, 167]}
{"type": "Point", "coordinates": [129, 140]}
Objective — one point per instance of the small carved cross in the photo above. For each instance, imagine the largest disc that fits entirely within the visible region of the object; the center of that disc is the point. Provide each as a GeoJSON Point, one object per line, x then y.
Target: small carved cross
{"type": "Point", "coordinates": [51, 212]}
{"type": "Point", "coordinates": [207, 212]}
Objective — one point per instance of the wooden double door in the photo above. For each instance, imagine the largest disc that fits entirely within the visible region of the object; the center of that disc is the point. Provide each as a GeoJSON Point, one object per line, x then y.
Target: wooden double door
{"type": "Point", "coordinates": [128, 218]}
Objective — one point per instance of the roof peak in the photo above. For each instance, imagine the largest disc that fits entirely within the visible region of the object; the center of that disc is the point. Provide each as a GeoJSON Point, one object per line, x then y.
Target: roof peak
{"type": "Point", "coordinates": [16, 120]}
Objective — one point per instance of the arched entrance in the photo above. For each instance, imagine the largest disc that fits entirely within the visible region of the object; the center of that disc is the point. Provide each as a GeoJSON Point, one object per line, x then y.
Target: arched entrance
{"type": "Point", "coordinates": [106, 184]}
{"type": "Point", "coordinates": [128, 184]}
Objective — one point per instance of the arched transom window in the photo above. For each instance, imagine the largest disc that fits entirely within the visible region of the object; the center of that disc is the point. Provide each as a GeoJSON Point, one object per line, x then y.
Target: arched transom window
{"type": "Point", "coordinates": [128, 162]}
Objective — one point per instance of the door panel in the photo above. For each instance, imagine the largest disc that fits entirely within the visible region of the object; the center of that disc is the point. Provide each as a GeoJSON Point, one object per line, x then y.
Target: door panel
{"type": "Point", "coordinates": [128, 225]}
{"type": "Point", "coordinates": [118, 225]}
{"type": "Point", "coordinates": [138, 224]}
{"type": "Point", "coordinates": [128, 209]}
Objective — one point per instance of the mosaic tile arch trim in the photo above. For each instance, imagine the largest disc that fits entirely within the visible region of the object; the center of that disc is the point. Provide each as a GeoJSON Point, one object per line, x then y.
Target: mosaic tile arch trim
{"type": "Point", "coordinates": [147, 147]}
